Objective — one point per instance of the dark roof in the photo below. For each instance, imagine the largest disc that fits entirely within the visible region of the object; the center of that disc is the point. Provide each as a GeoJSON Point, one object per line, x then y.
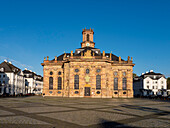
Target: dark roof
{"type": "Point", "coordinates": [27, 71]}
{"type": "Point", "coordinates": [137, 78]}
{"type": "Point", "coordinates": [60, 58]}
{"type": "Point", "coordinates": [85, 49]}
{"type": "Point", "coordinates": [94, 51]}
{"type": "Point", "coordinates": [8, 67]}
{"type": "Point", "coordinates": [32, 75]}
{"type": "Point", "coordinates": [153, 75]}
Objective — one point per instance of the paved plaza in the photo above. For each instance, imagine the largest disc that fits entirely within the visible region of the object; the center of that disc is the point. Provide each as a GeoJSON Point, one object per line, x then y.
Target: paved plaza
{"type": "Point", "coordinates": [53, 112]}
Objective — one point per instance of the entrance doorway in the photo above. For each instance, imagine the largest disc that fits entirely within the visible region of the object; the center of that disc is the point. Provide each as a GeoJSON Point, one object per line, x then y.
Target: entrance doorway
{"type": "Point", "coordinates": [87, 91]}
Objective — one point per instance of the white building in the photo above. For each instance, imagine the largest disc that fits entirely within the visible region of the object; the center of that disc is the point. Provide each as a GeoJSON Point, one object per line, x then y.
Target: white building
{"type": "Point", "coordinates": [33, 82]}
{"type": "Point", "coordinates": [12, 80]}
{"type": "Point", "coordinates": [150, 83]}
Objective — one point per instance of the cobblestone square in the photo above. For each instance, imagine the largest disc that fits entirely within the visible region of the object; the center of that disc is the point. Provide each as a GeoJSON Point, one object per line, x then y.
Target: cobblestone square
{"type": "Point", "coordinates": [53, 112]}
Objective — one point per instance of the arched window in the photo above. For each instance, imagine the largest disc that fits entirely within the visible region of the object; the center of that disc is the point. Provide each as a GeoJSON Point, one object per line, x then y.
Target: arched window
{"type": "Point", "coordinates": [87, 37]}
{"type": "Point", "coordinates": [115, 83]}
{"type": "Point", "coordinates": [51, 83]}
{"type": "Point", "coordinates": [76, 82]}
{"type": "Point", "coordinates": [124, 84]}
{"type": "Point", "coordinates": [98, 82]}
{"type": "Point", "coordinates": [59, 83]}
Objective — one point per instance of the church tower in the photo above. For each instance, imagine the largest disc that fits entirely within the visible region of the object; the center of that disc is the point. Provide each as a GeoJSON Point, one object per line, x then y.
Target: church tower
{"type": "Point", "coordinates": [87, 38]}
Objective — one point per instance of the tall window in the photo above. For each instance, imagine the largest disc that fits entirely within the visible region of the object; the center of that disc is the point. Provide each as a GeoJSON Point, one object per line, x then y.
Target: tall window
{"type": "Point", "coordinates": [59, 83]}
{"type": "Point", "coordinates": [76, 82]}
{"type": "Point", "coordinates": [98, 82]}
{"type": "Point", "coordinates": [87, 37]}
{"type": "Point", "coordinates": [115, 83]}
{"type": "Point", "coordinates": [0, 87]}
{"type": "Point", "coordinates": [51, 83]}
{"type": "Point", "coordinates": [124, 84]}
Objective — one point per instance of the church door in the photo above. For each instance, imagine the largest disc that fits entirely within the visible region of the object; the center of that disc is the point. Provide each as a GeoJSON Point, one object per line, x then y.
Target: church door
{"type": "Point", "coordinates": [87, 91]}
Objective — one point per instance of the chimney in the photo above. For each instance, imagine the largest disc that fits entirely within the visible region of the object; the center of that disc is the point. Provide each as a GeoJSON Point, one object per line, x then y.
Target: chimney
{"type": "Point", "coordinates": [10, 62]}
{"type": "Point", "coordinates": [142, 73]}
{"type": "Point", "coordinates": [151, 70]}
{"type": "Point", "coordinates": [25, 68]}
{"type": "Point", "coordinates": [146, 71]}
{"type": "Point", "coordinates": [5, 60]}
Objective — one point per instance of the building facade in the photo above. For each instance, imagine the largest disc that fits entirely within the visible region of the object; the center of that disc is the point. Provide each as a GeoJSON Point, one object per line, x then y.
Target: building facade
{"type": "Point", "coordinates": [88, 72]}
{"type": "Point", "coordinates": [12, 80]}
{"type": "Point", "coordinates": [33, 82]}
{"type": "Point", "coordinates": [150, 83]}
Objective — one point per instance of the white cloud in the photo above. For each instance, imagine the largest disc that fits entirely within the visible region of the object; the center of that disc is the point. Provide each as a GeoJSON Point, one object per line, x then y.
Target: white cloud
{"type": "Point", "coordinates": [17, 63]}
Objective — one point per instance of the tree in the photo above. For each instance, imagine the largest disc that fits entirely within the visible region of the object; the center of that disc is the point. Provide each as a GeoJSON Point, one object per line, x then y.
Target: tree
{"type": "Point", "coordinates": [134, 75]}
{"type": "Point", "coordinates": [168, 83]}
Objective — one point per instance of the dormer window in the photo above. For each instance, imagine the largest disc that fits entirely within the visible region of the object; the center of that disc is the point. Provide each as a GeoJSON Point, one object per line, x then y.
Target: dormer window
{"type": "Point", "coordinates": [2, 69]}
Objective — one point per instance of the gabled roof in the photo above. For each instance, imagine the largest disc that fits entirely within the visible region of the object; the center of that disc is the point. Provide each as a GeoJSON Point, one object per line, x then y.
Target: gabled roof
{"type": "Point", "coordinates": [8, 67]}
{"type": "Point", "coordinates": [32, 75]}
{"type": "Point", "coordinates": [152, 75]}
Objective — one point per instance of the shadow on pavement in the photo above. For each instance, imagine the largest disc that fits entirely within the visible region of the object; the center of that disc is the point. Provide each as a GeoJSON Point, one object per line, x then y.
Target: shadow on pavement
{"type": "Point", "coordinates": [144, 109]}
{"type": "Point", "coordinates": [111, 124]}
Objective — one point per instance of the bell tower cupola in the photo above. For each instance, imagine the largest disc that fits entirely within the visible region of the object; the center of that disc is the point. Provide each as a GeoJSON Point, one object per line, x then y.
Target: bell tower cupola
{"type": "Point", "coordinates": [87, 38]}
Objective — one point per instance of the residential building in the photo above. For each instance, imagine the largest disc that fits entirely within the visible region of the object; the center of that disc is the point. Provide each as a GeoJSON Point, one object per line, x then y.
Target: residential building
{"type": "Point", "coordinates": [12, 80]}
{"type": "Point", "coordinates": [150, 83]}
{"type": "Point", "coordinates": [33, 82]}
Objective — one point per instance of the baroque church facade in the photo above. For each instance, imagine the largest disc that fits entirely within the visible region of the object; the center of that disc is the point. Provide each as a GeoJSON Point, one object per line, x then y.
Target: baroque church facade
{"type": "Point", "coordinates": [88, 72]}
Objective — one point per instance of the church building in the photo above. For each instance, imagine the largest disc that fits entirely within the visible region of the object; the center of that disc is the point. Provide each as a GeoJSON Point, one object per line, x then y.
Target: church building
{"type": "Point", "coordinates": [88, 72]}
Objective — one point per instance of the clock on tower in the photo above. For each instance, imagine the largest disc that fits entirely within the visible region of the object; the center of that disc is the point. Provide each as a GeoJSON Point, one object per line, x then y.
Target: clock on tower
{"type": "Point", "coordinates": [87, 38]}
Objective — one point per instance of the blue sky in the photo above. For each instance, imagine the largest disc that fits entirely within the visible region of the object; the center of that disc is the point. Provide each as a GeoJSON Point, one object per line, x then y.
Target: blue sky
{"type": "Point", "coordinates": [33, 29]}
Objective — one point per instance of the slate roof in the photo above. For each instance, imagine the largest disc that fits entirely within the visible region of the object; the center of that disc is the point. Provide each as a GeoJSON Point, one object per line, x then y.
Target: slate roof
{"type": "Point", "coordinates": [96, 52]}
{"type": "Point", "coordinates": [32, 75]}
{"type": "Point", "coordinates": [152, 75]}
{"type": "Point", "coordinates": [8, 67]}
